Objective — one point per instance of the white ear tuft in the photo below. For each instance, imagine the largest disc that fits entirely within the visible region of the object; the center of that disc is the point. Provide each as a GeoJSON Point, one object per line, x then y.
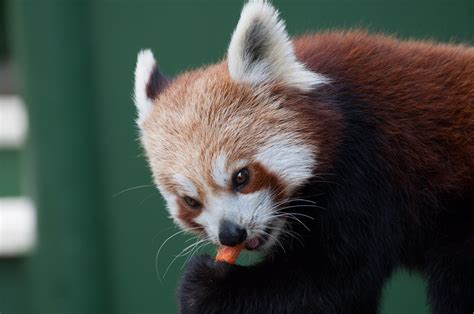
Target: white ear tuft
{"type": "Point", "coordinates": [260, 50]}
{"type": "Point", "coordinates": [146, 64]}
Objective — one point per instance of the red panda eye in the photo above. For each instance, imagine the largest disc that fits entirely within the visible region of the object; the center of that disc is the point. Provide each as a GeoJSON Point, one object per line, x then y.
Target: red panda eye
{"type": "Point", "coordinates": [191, 202]}
{"type": "Point", "coordinates": [240, 179]}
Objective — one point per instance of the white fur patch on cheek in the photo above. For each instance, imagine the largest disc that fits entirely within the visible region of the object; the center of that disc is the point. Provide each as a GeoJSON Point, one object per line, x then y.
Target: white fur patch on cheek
{"type": "Point", "coordinates": [170, 200]}
{"type": "Point", "coordinates": [210, 220]}
{"type": "Point", "coordinates": [252, 208]}
{"type": "Point", "coordinates": [292, 160]}
{"type": "Point", "coordinates": [222, 171]}
{"type": "Point", "coordinates": [171, 204]}
{"type": "Point", "coordinates": [173, 208]}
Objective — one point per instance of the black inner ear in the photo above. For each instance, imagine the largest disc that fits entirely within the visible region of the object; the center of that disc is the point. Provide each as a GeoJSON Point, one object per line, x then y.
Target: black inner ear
{"type": "Point", "coordinates": [156, 83]}
{"type": "Point", "coordinates": [256, 42]}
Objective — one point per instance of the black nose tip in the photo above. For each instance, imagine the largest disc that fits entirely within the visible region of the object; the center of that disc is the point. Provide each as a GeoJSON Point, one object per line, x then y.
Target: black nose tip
{"type": "Point", "coordinates": [230, 234]}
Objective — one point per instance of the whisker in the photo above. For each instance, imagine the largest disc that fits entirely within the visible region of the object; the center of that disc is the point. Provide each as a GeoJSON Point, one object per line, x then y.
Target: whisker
{"type": "Point", "coordinates": [289, 200]}
{"type": "Point", "coordinates": [292, 216]}
{"type": "Point", "coordinates": [273, 215]}
{"type": "Point", "coordinates": [147, 198]}
{"type": "Point", "coordinates": [161, 247]}
{"type": "Point", "coordinates": [298, 220]}
{"type": "Point", "coordinates": [256, 207]}
{"type": "Point", "coordinates": [290, 233]}
{"type": "Point", "coordinates": [131, 189]}
{"type": "Point", "coordinates": [161, 232]}
{"type": "Point", "coordinates": [194, 252]}
{"type": "Point", "coordinates": [276, 240]}
{"type": "Point", "coordinates": [301, 206]}
{"type": "Point", "coordinates": [188, 250]}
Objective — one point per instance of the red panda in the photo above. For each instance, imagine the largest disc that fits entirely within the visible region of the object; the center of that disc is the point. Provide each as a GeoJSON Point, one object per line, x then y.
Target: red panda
{"type": "Point", "coordinates": [338, 156]}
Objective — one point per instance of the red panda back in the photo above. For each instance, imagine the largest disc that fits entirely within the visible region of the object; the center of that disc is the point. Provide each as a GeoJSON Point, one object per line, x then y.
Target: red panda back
{"type": "Point", "coordinates": [420, 94]}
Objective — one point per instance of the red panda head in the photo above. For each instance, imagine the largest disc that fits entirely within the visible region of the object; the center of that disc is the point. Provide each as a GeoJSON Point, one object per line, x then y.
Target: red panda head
{"type": "Point", "coordinates": [224, 148]}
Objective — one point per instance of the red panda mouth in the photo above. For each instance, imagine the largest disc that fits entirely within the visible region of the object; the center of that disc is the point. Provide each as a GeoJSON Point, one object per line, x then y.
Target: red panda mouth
{"type": "Point", "coordinates": [253, 244]}
{"type": "Point", "coordinates": [256, 242]}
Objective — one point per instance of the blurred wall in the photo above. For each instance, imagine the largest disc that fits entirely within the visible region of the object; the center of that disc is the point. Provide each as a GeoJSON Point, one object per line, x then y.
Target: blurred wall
{"type": "Point", "coordinates": [101, 222]}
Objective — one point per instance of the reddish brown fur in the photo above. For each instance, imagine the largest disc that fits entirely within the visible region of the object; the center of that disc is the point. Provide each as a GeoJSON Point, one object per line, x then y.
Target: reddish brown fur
{"type": "Point", "coordinates": [261, 178]}
{"type": "Point", "coordinates": [421, 94]}
{"type": "Point", "coordinates": [187, 215]}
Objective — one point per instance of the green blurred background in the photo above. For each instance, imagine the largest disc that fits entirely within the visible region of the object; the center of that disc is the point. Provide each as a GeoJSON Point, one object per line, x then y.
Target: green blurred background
{"type": "Point", "coordinates": [100, 220]}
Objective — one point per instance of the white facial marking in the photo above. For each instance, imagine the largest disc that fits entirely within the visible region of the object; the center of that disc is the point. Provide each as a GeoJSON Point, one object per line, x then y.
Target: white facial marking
{"type": "Point", "coordinates": [188, 188]}
{"type": "Point", "coordinates": [222, 171]}
{"type": "Point", "coordinates": [171, 202]}
{"type": "Point", "coordinates": [173, 209]}
{"type": "Point", "coordinates": [292, 160]}
{"type": "Point", "coordinates": [145, 65]}
{"type": "Point", "coordinates": [219, 171]}
{"type": "Point", "coordinates": [260, 50]}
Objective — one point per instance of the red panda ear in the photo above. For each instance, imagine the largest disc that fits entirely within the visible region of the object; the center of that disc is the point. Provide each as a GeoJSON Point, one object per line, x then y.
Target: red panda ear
{"type": "Point", "coordinates": [149, 82]}
{"type": "Point", "coordinates": [260, 50]}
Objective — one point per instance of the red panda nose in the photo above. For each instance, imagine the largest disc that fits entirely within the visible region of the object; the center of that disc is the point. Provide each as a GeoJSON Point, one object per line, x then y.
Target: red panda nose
{"type": "Point", "coordinates": [231, 234]}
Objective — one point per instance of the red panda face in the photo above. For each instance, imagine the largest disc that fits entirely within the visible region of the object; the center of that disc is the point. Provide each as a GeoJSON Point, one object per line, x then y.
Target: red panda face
{"type": "Point", "coordinates": [225, 151]}
{"type": "Point", "coordinates": [220, 152]}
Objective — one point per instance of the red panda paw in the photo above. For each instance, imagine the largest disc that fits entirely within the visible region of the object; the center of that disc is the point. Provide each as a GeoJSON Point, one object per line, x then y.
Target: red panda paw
{"type": "Point", "coordinates": [202, 282]}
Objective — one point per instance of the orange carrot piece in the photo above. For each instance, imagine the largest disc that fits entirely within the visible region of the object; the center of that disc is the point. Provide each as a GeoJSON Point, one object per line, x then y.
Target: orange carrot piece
{"type": "Point", "coordinates": [229, 254]}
